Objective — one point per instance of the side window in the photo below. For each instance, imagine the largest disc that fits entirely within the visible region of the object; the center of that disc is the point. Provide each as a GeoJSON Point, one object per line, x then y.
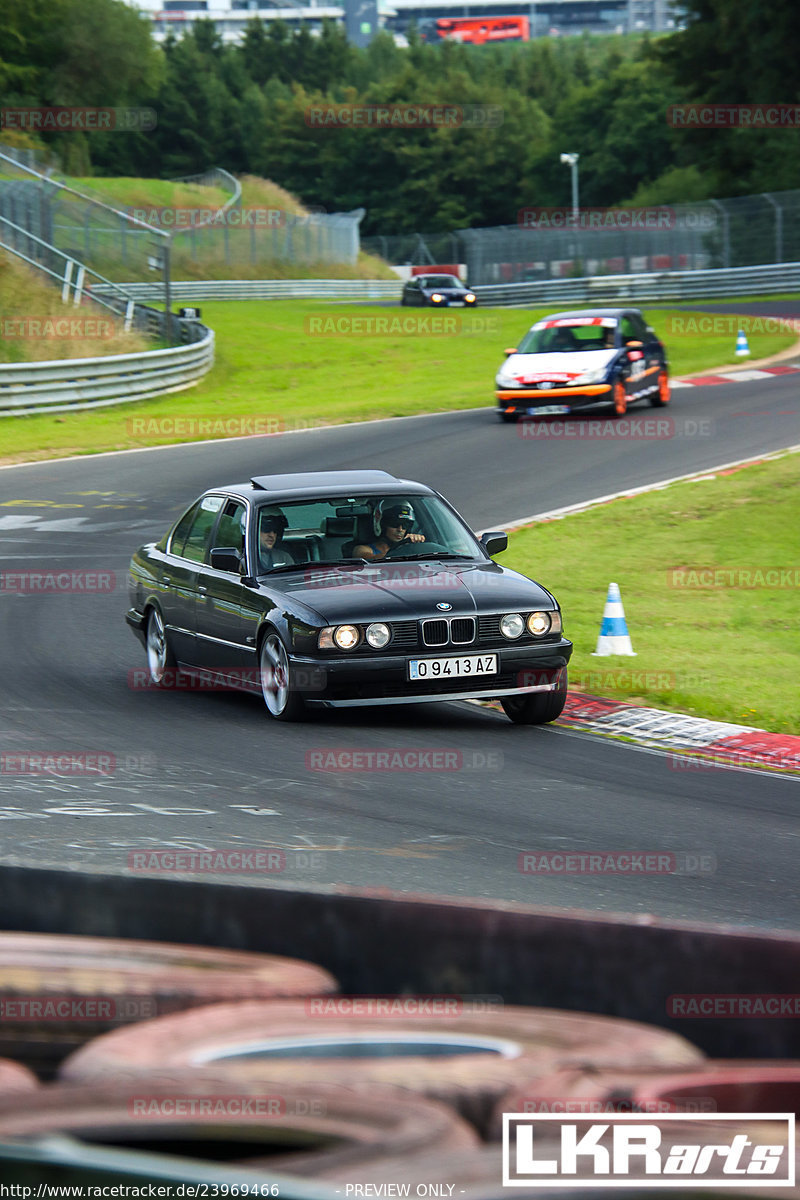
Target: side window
{"type": "Point", "coordinates": [195, 547]}
{"type": "Point", "coordinates": [230, 531]}
{"type": "Point", "coordinates": [639, 328]}
{"type": "Point", "coordinates": [629, 334]}
{"type": "Point", "coordinates": [181, 529]}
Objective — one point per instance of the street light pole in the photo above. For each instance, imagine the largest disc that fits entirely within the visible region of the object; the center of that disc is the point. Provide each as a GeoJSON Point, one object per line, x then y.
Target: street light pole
{"type": "Point", "coordinates": [572, 161]}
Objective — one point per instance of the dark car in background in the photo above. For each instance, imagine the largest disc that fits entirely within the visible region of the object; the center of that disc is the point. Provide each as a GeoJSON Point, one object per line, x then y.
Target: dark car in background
{"type": "Point", "coordinates": [437, 291]}
{"type": "Point", "coordinates": [259, 585]}
{"type": "Point", "coordinates": [576, 360]}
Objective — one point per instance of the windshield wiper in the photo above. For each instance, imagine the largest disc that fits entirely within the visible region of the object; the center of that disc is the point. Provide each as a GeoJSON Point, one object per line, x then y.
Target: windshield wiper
{"type": "Point", "coordinates": [429, 554]}
{"type": "Point", "coordinates": [313, 564]}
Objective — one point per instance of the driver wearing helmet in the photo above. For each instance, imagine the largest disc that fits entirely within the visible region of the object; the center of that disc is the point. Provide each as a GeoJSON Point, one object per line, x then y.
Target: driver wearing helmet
{"type": "Point", "coordinates": [393, 523]}
{"type": "Point", "coordinates": [271, 528]}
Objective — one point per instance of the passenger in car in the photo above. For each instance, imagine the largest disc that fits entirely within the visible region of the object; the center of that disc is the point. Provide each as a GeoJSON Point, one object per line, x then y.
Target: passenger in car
{"type": "Point", "coordinates": [270, 535]}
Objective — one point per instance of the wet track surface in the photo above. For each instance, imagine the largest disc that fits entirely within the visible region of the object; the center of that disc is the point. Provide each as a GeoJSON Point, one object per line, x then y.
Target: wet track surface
{"type": "Point", "coordinates": [208, 770]}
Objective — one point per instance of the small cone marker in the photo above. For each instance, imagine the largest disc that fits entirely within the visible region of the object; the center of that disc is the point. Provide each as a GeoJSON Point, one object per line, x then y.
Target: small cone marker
{"type": "Point", "coordinates": [614, 637]}
{"type": "Point", "coordinates": [742, 347]}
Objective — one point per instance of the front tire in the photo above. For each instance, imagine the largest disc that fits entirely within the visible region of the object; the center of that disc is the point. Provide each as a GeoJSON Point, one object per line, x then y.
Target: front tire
{"type": "Point", "coordinates": [620, 399]}
{"type": "Point", "coordinates": [508, 418]}
{"type": "Point", "coordinates": [161, 662]}
{"type": "Point", "coordinates": [281, 700]}
{"type": "Point", "coordinates": [538, 708]}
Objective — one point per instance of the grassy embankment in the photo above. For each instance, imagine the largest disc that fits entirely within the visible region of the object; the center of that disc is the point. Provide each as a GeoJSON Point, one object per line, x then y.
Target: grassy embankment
{"type": "Point", "coordinates": [710, 577]}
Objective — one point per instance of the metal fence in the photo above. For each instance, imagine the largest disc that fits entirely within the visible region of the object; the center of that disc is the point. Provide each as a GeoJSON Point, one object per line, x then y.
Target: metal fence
{"type": "Point", "coordinates": [192, 291]}
{"type": "Point", "coordinates": [548, 244]}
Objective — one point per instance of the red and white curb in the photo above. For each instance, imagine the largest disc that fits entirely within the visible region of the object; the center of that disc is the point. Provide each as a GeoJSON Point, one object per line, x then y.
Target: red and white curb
{"type": "Point", "coordinates": [696, 741]}
{"type": "Point", "coordinates": [734, 377]}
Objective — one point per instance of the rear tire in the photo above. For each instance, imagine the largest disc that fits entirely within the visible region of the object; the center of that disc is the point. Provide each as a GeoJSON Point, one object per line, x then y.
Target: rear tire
{"type": "Point", "coordinates": [620, 398]}
{"type": "Point", "coordinates": [538, 708]}
{"type": "Point", "coordinates": [661, 398]}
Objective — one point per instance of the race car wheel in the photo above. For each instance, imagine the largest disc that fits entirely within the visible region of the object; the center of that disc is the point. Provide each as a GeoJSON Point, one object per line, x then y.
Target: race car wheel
{"type": "Point", "coordinates": [620, 399]}
{"type": "Point", "coordinates": [282, 701]}
{"type": "Point", "coordinates": [509, 418]}
{"type": "Point", "coordinates": [661, 398]}
{"type": "Point", "coordinates": [160, 659]}
{"type": "Point", "coordinates": [539, 707]}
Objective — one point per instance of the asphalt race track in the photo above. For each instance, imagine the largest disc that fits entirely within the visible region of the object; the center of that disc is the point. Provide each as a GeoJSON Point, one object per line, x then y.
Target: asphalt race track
{"type": "Point", "coordinates": [210, 771]}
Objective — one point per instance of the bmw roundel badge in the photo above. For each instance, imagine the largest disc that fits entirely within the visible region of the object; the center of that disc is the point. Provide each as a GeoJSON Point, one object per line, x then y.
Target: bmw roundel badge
{"type": "Point", "coordinates": [442, 607]}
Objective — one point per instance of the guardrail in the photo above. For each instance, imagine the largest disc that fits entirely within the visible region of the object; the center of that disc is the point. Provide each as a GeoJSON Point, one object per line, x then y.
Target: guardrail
{"type": "Point", "coordinates": [662, 285]}
{"type": "Point", "coordinates": [195, 290]}
{"type": "Point", "coordinates": [74, 383]}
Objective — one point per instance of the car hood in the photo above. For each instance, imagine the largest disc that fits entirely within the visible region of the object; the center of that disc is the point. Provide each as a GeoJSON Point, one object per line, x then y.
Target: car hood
{"type": "Point", "coordinates": [403, 591]}
{"type": "Point", "coordinates": [448, 291]}
{"type": "Point", "coordinates": [531, 368]}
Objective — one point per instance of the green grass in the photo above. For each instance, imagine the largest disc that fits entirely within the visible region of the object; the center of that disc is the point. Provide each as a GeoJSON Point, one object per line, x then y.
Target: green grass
{"type": "Point", "coordinates": [729, 651]}
{"type": "Point", "coordinates": [270, 365]}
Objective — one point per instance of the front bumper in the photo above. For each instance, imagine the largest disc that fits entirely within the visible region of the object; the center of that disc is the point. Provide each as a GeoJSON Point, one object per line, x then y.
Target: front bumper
{"type": "Point", "coordinates": [136, 621]}
{"type": "Point", "coordinates": [346, 681]}
{"type": "Point", "coordinates": [453, 302]}
{"type": "Point", "coordinates": [525, 401]}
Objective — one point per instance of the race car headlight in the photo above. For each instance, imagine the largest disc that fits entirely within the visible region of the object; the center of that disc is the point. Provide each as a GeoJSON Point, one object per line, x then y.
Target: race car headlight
{"type": "Point", "coordinates": [539, 623]}
{"type": "Point", "coordinates": [470, 297]}
{"type": "Point", "coordinates": [596, 376]}
{"type": "Point", "coordinates": [346, 637]}
{"type": "Point", "coordinates": [378, 635]}
{"type": "Point", "coordinates": [506, 378]}
{"type": "Point", "coordinates": [512, 625]}
{"type": "Point", "coordinates": [436, 298]}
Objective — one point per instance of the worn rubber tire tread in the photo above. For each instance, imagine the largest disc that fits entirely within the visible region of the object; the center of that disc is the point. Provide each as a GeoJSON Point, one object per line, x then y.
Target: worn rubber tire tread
{"type": "Point", "coordinates": [471, 1082]}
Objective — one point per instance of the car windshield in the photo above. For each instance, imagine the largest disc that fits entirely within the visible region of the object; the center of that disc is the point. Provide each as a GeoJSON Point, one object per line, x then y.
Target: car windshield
{"type": "Point", "coordinates": [568, 336]}
{"type": "Point", "coordinates": [328, 530]}
{"type": "Point", "coordinates": [441, 281]}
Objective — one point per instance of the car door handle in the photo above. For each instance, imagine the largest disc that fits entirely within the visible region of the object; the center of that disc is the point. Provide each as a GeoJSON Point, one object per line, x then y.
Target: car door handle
{"type": "Point", "coordinates": [167, 579]}
{"type": "Point", "coordinates": [202, 590]}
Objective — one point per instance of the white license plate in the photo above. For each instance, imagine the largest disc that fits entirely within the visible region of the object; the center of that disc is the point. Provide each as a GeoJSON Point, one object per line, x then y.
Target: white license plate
{"type": "Point", "coordinates": [548, 410]}
{"type": "Point", "coordinates": [452, 668]}
{"type": "Point", "coordinates": [458, 303]}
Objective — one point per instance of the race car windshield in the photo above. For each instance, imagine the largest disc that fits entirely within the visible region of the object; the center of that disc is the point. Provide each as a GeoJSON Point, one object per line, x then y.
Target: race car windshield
{"type": "Point", "coordinates": [323, 529]}
{"type": "Point", "coordinates": [567, 338]}
{"type": "Point", "coordinates": [440, 281]}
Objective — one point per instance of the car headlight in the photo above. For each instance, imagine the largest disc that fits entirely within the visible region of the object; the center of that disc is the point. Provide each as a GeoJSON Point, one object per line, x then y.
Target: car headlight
{"type": "Point", "coordinates": [595, 376]}
{"type": "Point", "coordinates": [347, 637]}
{"type": "Point", "coordinates": [378, 635]}
{"type": "Point", "coordinates": [512, 625]}
{"type": "Point", "coordinates": [470, 297]}
{"type": "Point", "coordinates": [506, 379]}
{"type": "Point", "coordinates": [539, 623]}
{"type": "Point", "coordinates": [436, 298]}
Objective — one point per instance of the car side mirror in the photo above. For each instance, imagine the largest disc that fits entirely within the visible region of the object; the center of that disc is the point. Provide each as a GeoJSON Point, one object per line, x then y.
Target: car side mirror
{"type": "Point", "coordinates": [494, 543]}
{"type": "Point", "coordinates": [226, 559]}
{"type": "Point", "coordinates": [510, 350]}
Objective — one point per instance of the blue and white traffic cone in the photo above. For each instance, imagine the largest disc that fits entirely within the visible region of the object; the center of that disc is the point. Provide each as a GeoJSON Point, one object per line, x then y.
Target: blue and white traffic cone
{"type": "Point", "coordinates": [614, 637]}
{"type": "Point", "coordinates": [742, 348]}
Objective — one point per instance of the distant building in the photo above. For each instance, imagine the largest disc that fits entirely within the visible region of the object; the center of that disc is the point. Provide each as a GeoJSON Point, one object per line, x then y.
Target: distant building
{"type": "Point", "coordinates": [362, 17]}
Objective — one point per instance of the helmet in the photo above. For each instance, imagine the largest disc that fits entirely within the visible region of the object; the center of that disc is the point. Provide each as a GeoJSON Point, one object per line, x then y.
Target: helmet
{"type": "Point", "coordinates": [272, 520]}
{"type": "Point", "coordinates": [389, 511]}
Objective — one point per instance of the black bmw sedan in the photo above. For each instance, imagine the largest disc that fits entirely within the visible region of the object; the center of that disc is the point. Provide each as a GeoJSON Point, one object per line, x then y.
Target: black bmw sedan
{"type": "Point", "coordinates": [345, 588]}
{"type": "Point", "coordinates": [437, 291]}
